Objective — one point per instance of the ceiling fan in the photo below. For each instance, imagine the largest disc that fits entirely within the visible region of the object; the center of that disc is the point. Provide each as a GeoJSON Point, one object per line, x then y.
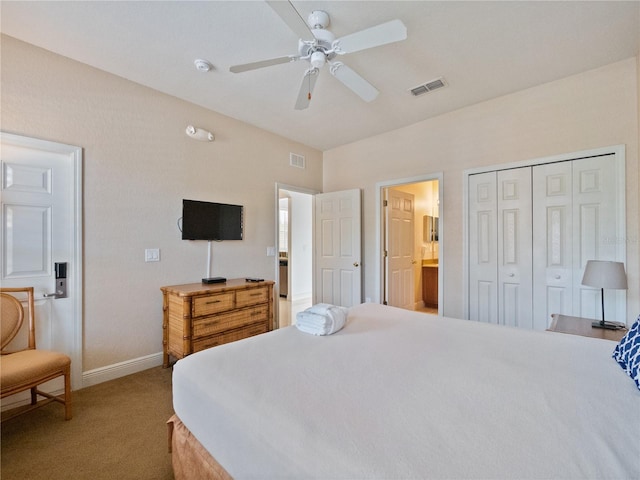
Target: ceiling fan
{"type": "Point", "coordinates": [318, 46]}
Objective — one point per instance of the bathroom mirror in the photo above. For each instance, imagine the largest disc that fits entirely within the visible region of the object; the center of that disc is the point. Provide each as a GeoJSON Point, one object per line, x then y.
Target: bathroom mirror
{"type": "Point", "coordinates": [430, 229]}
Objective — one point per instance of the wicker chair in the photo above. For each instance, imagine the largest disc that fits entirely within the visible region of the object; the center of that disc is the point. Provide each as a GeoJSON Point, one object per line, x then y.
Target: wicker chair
{"type": "Point", "coordinates": [25, 369]}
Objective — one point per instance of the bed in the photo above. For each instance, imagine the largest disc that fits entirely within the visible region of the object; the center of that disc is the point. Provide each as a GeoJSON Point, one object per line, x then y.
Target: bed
{"type": "Point", "coordinates": [400, 394]}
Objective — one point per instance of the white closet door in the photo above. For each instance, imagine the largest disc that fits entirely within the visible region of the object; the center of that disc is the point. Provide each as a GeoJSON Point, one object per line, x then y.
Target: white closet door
{"type": "Point", "coordinates": [575, 213]}
{"type": "Point", "coordinates": [595, 203]}
{"type": "Point", "coordinates": [552, 242]}
{"type": "Point", "coordinates": [514, 248]}
{"type": "Point", "coordinates": [483, 231]}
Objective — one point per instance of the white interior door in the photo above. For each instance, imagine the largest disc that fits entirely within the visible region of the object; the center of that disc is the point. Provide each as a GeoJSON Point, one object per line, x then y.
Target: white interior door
{"type": "Point", "coordinates": [552, 237]}
{"type": "Point", "coordinates": [338, 248]}
{"type": "Point", "coordinates": [597, 201]}
{"type": "Point", "coordinates": [483, 251]}
{"type": "Point", "coordinates": [575, 214]}
{"type": "Point", "coordinates": [399, 221]}
{"type": "Point", "coordinates": [41, 225]}
{"type": "Point", "coordinates": [514, 248]}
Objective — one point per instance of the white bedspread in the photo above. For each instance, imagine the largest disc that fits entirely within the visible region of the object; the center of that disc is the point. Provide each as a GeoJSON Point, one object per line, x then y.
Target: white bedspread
{"type": "Point", "coordinates": [403, 395]}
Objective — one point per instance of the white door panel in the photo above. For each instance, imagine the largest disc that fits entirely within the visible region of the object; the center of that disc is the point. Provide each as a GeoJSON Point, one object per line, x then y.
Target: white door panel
{"type": "Point", "coordinates": [40, 226]}
{"type": "Point", "coordinates": [553, 242]}
{"type": "Point", "coordinates": [338, 247]}
{"type": "Point", "coordinates": [483, 232]}
{"type": "Point", "coordinates": [399, 218]}
{"type": "Point", "coordinates": [573, 212]}
{"type": "Point", "coordinates": [514, 248]}
{"type": "Point", "coordinates": [595, 201]}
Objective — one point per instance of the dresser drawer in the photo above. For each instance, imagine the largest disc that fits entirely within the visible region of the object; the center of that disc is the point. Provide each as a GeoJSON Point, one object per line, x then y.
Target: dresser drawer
{"type": "Point", "coordinates": [251, 296]}
{"type": "Point", "coordinates": [209, 304]}
{"type": "Point", "coordinates": [227, 321]}
{"type": "Point", "coordinates": [231, 336]}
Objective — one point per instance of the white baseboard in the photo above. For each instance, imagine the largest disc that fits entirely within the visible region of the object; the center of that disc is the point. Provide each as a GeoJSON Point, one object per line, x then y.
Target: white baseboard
{"type": "Point", "coordinates": [117, 370]}
{"type": "Point", "coordinates": [89, 378]}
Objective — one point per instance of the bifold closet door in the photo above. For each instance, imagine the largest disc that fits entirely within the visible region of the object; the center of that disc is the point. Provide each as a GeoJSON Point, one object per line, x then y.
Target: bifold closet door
{"type": "Point", "coordinates": [552, 239]}
{"type": "Point", "coordinates": [532, 231]}
{"type": "Point", "coordinates": [500, 268]}
{"type": "Point", "coordinates": [514, 248]}
{"type": "Point", "coordinates": [597, 214]}
{"type": "Point", "coordinates": [575, 211]}
{"type": "Point", "coordinates": [483, 251]}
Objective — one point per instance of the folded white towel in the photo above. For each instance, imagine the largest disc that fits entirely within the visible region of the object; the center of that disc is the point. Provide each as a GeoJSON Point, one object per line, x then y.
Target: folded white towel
{"type": "Point", "coordinates": [321, 319]}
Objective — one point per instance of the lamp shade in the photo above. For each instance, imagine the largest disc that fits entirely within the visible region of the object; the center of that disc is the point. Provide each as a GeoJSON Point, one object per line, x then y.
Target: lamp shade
{"type": "Point", "coordinates": [605, 274]}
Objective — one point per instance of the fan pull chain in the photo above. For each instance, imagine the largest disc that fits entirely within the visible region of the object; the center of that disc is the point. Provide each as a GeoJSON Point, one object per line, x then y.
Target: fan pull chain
{"type": "Point", "coordinates": [309, 94]}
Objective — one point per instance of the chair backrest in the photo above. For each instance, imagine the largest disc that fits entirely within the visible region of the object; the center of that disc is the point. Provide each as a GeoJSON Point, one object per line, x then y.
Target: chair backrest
{"type": "Point", "coordinates": [13, 315]}
{"type": "Point", "coordinates": [11, 320]}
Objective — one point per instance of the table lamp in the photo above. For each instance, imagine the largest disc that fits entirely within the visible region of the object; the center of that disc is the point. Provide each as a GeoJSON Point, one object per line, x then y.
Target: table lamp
{"type": "Point", "coordinates": [604, 274]}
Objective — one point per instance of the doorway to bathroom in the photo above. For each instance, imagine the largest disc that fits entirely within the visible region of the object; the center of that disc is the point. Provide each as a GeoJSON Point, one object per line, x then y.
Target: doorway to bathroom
{"type": "Point", "coordinates": [411, 243]}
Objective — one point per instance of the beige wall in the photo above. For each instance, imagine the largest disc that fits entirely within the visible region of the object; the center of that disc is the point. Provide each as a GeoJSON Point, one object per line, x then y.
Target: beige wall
{"type": "Point", "coordinates": [138, 165]}
{"type": "Point", "coordinates": [595, 109]}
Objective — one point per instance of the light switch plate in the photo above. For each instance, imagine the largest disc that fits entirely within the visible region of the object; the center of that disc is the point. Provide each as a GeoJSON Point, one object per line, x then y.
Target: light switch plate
{"type": "Point", "coordinates": [152, 255]}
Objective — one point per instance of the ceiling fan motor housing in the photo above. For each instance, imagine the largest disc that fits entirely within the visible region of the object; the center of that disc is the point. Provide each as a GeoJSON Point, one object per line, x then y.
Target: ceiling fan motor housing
{"type": "Point", "coordinates": [324, 44]}
{"type": "Point", "coordinates": [318, 19]}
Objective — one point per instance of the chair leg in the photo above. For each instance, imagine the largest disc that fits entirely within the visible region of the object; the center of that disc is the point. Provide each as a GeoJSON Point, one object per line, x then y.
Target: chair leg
{"type": "Point", "coordinates": [34, 395]}
{"type": "Point", "coordinates": [67, 395]}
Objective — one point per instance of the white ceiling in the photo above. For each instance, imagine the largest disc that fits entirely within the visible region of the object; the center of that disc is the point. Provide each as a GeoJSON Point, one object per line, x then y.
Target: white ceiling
{"type": "Point", "coordinates": [483, 49]}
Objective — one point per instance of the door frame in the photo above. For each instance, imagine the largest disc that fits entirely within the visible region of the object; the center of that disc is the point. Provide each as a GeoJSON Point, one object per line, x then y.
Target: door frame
{"type": "Point", "coordinates": [74, 155]}
{"type": "Point", "coordinates": [379, 258]}
{"type": "Point", "coordinates": [619, 151]}
{"type": "Point", "coordinates": [276, 291]}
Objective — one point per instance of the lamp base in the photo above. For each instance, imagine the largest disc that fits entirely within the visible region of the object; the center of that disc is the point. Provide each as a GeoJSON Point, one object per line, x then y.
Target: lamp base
{"type": "Point", "coordinates": [608, 325]}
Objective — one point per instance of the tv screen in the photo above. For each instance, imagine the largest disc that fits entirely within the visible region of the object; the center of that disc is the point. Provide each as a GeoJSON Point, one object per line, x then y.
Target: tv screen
{"type": "Point", "coordinates": [211, 221]}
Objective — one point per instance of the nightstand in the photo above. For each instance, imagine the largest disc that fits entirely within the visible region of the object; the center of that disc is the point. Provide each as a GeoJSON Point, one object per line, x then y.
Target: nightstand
{"type": "Point", "coordinates": [582, 326]}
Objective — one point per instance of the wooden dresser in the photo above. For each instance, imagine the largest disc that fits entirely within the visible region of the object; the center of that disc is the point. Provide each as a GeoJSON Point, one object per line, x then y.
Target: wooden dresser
{"type": "Point", "coordinates": [198, 316]}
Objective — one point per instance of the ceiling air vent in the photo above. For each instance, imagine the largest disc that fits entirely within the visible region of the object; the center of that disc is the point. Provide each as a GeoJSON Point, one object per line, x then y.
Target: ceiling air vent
{"type": "Point", "coordinates": [296, 160]}
{"type": "Point", "coordinates": [429, 86]}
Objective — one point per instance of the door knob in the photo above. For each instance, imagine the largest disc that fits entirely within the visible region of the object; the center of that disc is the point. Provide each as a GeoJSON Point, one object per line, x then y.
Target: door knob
{"type": "Point", "coordinates": [356, 264]}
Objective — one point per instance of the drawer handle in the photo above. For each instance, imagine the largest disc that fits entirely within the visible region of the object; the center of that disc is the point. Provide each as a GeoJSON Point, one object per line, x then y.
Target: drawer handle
{"type": "Point", "coordinates": [255, 294]}
{"type": "Point", "coordinates": [213, 301]}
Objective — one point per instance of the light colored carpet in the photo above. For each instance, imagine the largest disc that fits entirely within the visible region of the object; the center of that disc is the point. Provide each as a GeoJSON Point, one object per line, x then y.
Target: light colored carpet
{"type": "Point", "coordinates": [118, 431]}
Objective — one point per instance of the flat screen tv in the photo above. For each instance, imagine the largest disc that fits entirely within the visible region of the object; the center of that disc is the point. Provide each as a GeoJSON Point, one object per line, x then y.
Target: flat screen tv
{"type": "Point", "coordinates": [211, 221]}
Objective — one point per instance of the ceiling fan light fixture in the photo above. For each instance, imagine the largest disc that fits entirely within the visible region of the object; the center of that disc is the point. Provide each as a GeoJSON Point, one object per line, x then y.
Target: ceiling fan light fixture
{"type": "Point", "coordinates": [317, 59]}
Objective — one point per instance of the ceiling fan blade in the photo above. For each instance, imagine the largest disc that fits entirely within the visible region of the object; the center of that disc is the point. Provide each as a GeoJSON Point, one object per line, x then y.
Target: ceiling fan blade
{"type": "Point", "coordinates": [292, 18]}
{"type": "Point", "coordinates": [393, 31]}
{"type": "Point", "coordinates": [355, 82]}
{"type": "Point", "coordinates": [263, 63]}
{"type": "Point", "coordinates": [306, 88]}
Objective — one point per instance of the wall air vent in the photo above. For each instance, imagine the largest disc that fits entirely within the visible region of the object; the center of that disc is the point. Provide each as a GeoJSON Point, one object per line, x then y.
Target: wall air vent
{"type": "Point", "coordinates": [429, 86]}
{"type": "Point", "coordinates": [296, 160]}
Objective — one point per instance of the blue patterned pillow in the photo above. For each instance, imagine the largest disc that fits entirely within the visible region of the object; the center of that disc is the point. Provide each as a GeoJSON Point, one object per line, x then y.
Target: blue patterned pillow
{"type": "Point", "coordinates": [627, 353]}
